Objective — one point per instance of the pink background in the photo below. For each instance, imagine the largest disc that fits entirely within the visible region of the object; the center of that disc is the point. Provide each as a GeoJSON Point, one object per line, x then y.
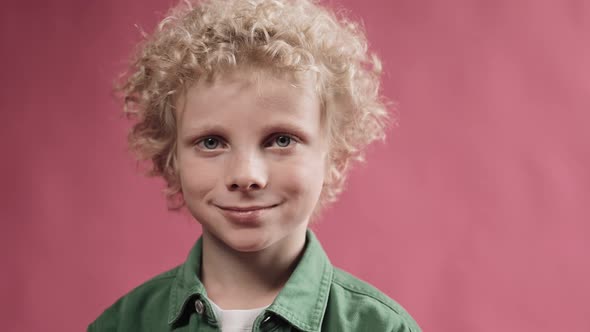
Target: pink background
{"type": "Point", "coordinates": [474, 215]}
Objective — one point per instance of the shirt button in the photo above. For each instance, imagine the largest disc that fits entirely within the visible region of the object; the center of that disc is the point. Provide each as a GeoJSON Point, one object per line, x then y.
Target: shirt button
{"type": "Point", "coordinates": [199, 307]}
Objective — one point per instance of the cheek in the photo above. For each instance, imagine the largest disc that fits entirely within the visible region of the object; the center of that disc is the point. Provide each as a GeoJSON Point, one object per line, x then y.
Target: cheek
{"type": "Point", "coordinates": [197, 178]}
{"type": "Point", "coordinates": [300, 179]}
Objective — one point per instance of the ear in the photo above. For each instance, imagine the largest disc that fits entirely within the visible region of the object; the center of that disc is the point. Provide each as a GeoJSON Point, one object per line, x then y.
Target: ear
{"type": "Point", "coordinates": [176, 201]}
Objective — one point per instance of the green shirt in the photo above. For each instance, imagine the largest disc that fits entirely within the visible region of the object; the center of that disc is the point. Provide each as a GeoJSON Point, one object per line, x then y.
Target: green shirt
{"type": "Point", "coordinates": [317, 297]}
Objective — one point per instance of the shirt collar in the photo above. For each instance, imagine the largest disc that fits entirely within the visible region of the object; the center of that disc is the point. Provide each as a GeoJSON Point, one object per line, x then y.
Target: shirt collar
{"type": "Point", "coordinates": [303, 299]}
{"type": "Point", "coordinates": [301, 302]}
{"type": "Point", "coordinates": [186, 284]}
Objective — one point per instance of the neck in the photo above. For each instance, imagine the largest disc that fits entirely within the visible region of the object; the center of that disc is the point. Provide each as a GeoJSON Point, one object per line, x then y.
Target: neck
{"type": "Point", "coordinates": [247, 280]}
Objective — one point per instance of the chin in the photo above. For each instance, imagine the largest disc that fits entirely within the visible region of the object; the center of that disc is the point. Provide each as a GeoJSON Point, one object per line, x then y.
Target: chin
{"type": "Point", "coordinates": [247, 240]}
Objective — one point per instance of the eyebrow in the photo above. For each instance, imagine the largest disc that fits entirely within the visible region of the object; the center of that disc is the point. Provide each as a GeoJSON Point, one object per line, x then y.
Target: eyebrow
{"type": "Point", "coordinates": [188, 132]}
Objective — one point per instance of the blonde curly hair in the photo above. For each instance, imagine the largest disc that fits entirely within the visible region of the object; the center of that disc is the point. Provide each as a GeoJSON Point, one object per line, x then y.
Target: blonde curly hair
{"type": "Point", "coordinates": [203, 39]}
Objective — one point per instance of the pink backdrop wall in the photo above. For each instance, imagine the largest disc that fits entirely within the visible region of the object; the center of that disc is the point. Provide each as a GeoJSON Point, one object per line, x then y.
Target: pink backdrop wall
{"type": "Point", "coordinates": [475, 214]}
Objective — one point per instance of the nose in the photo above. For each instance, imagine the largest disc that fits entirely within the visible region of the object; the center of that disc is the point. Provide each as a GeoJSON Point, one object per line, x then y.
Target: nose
{"type": "Point", "coordinates": [246, 172]}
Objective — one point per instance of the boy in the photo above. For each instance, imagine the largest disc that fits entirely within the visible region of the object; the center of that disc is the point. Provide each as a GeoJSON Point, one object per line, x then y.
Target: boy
{"type": "Point", "coordinates": [252, 112]}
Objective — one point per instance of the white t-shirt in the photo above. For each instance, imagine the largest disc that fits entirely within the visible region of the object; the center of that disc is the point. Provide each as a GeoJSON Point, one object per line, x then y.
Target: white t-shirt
{"type": "Point", "coordinates": [236, 320]}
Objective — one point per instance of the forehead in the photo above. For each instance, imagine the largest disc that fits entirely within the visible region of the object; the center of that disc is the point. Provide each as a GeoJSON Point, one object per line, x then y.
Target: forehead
{"type": "Point", "coordinates": [251, 93]}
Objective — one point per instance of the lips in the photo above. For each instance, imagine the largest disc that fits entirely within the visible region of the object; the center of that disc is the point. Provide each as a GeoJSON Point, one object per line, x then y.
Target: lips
{"type": "Point", "coordinates": [245, 208]}
{"type": "Point", "coordinates": [245, 214]}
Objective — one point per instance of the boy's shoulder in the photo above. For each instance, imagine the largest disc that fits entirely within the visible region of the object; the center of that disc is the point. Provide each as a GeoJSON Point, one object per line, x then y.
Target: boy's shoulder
{"type": "Point", "coordinates": [147, 302]}
{"type": "Point", "coordinates": [365, 303]}
{"type": "Point", "coordinates": [358, 287]}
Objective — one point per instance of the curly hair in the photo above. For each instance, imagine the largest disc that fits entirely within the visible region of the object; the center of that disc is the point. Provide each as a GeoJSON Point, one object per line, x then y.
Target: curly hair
{"type": "Point", "coordinates": [203, 39]}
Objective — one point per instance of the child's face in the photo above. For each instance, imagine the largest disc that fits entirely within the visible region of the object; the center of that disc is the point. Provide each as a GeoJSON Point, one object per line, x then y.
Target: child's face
{"type": "Point", "coordinates": [252, 158]}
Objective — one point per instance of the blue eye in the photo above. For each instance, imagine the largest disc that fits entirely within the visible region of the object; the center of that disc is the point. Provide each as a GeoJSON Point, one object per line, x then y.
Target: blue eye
{"type": "Point", "coordinates": [209, 143]}
{"type": "Point", "coordinates": [283, 141]}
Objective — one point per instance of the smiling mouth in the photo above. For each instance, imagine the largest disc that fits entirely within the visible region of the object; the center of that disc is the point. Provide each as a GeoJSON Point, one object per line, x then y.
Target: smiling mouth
{"type": "Point", "coordinates": [246, 215]}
